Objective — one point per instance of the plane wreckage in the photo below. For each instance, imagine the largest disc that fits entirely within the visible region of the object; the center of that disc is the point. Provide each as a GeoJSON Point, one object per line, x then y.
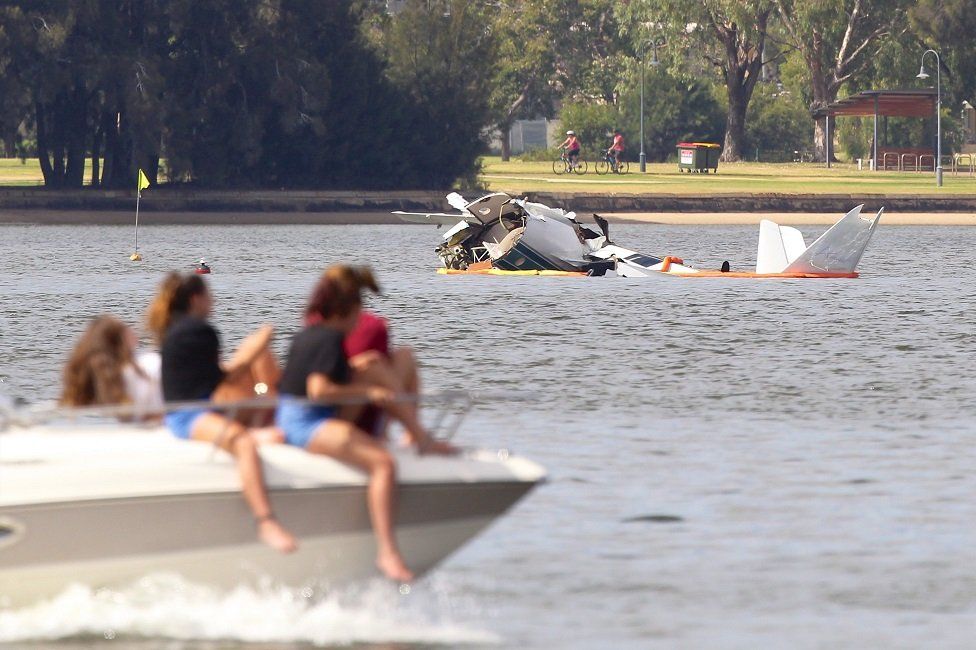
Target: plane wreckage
{"type": "Point", "coordinates": [500, 235]}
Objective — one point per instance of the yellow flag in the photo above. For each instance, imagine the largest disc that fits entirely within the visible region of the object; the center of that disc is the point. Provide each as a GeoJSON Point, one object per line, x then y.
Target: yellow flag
{"type": "Point", "coordinates": [143, 180]}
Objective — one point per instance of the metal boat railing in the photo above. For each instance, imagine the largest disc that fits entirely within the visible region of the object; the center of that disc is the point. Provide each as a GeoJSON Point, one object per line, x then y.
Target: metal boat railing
{"type": "Point", "coordinates": [450, 408]}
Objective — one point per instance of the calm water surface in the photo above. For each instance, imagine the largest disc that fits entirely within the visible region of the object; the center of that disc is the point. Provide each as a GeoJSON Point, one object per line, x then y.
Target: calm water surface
{"type": "Point", "coordinates": [734, 464]}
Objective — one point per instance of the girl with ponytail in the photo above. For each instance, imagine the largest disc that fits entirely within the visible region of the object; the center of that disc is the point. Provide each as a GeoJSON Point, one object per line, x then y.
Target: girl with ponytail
{"type": "Point", "coordinates": [192, 371]}
{"type": "Point", "coordinates": [317, 380]}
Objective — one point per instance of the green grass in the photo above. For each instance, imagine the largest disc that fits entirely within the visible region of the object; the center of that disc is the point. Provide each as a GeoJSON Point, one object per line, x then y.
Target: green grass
{"type": "Point", "coordinates": [732, 178]}
{"type": "Point", "coordinates": [661, 178]}
{"type": "Point", "coordinates": [13, 172]}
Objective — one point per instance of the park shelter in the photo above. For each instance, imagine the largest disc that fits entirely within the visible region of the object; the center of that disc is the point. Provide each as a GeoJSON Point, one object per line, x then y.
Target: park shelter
{"type": "Point", "coordinates": [921, 102]}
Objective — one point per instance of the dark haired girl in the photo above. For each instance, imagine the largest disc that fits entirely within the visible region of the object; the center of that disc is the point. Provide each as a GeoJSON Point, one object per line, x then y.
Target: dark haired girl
{"type": "Point", "coordinates": [192, 371]}
{"type": "Point", "coordinates": [318, 370]}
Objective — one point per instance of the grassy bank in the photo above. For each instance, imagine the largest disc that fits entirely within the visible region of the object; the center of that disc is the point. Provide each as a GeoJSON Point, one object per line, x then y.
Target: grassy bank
{"type": "Point", "coordinates": [14, 172]}
{"type": "Point", "coordinates": [662, 178]}
{"type": "Point", "coordinates": [746, 177]}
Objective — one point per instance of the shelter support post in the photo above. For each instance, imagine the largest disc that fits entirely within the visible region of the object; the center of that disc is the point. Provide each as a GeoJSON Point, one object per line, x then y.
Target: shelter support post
{"type": "Point", "coordinates": [827, 143]}
{"type": "Point", "coordinates": [874, 145]}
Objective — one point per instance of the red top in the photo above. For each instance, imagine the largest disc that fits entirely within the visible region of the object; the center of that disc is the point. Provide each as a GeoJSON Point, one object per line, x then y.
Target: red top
{"type": "Point", "coordinates": [618, 142]}
{"type": "Point", "coordinates": [370, 334]}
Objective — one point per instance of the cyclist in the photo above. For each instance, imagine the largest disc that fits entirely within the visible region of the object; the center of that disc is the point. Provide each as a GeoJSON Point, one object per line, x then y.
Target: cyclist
{"type": "Point", "coordinates": [572, 146]}
{"type": "Point", "coordinates": [616, 149]}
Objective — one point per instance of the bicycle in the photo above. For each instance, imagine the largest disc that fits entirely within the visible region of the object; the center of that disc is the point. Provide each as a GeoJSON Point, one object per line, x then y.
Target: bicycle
{"type": "Point", "coordinates": [610, 164]}
{"type": "Point", "coordinates": [563, 165]}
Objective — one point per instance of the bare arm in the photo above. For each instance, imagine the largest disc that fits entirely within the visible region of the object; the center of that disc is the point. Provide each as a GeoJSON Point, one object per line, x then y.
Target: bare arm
{"type": "Point", "coordinates": [249, 350]}
{"type": "Point", "coordinates": [320, 388]}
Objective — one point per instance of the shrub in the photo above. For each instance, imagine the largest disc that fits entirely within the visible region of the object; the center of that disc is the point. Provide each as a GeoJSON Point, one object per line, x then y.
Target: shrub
{"type": "Point", "coordinates": [540, 155]}
{"type": "Point", "coordinates": [592, 123]}
{"type": "Point", "coordinates": [675, 109]}
{"type": "Point", "coordinates": [777, 121]}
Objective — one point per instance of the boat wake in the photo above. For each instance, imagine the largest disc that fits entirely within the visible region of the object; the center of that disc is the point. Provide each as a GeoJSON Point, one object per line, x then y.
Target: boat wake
{"type": "Point", "coordinates": [167, 606]}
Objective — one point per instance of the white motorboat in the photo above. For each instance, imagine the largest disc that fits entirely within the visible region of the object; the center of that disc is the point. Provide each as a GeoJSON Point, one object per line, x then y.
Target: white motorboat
{"type": "Point", "coordinates": [499, 235]}
{"type": "Point", "coordinates": [103, 505]}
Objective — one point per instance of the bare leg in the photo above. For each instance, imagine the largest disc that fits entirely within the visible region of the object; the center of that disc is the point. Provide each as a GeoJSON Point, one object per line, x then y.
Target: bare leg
{"type": "Point", "coordinates": [401, 377]}
{"type": "Point", "coordinates": [404, 366]}
{"type": "Point", "coordinates": [344, 442]}
{"type": "Point", "coordinates": [266, 370]}
{"type": "Point", "coordinates": [234, 438]}
{"type": "Point", "coordinates": [406, 369]}
{"type": "Point", "coordinates": [263, 370]}
{"type": "Point", "coordinates": [376, 370]}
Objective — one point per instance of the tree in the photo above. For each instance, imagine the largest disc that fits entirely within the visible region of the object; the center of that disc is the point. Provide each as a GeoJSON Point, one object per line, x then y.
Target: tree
{"type": "Point", "coordinates": [551, 51]}
{"type": "Point", "coordinates": [266, 93]}
{"type": "Point", "coordinates": [14, 97]}
{"type": "Point", "coordinates": [439, 55]}
{"type": "Point", "coordinates": [82, 67]}
{"type": "Point", "coordinates": [525, 65]}
{"type": "Point", "coordinates": [836, 39]}
{"type": "Point", "coordinates": [729, 34]}
{"type": "Point", "coordinates": [948, 26]}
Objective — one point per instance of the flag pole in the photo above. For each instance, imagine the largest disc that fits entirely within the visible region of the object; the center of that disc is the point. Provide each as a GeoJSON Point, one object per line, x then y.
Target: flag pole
{"type": "Point", "coordinates": [136, 257]}
{"type": "Point", "coordinates": [138, 196]}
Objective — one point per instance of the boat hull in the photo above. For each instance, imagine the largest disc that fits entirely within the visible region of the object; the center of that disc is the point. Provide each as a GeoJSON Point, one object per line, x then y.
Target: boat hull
{"type": "Point", "coordinates": [177, 509]}
{"type": "Point", "coordinates": [322, 561]}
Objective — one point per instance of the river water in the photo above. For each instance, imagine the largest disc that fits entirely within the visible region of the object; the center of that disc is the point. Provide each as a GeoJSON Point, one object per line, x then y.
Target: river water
{"type": "Point", "coordinates": [734, 464]}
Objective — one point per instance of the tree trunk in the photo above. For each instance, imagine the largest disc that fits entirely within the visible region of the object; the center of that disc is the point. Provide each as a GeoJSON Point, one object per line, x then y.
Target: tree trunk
{"type": "Point", "coordinates": [152, 169]}
{"type": "Point", "coordinates": [506, 142]}
{"type": "Point", "coordinates": [10, 143]}
{"type": "Point", "coordinates": [110, 136]}
{"type": "Point", "coordinates": [43, 153]}
{"type": "Point", "coordinates": [742, 65]}
{"type": "Point", "coordinates": [76, 119]}
{"type": "Point", "coordinates": [735, 126]}
{"type": "Point", "coordinates": [96, 153]}
{"type": "Point", "coordinates": [820, 126]}
{"type": "Point", "coordinates": [119, 163]}
{"type": "Point", "coordinates": [824, 93]}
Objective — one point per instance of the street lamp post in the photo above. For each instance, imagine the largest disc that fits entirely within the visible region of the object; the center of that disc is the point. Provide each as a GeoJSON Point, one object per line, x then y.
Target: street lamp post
{"type": "Point", "coordinates": [643, 156]}
{"type": "Point", "coordinates": [922, 74]}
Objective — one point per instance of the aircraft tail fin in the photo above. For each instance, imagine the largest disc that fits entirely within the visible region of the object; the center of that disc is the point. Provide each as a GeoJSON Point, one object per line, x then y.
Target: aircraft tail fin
{"type": "Point", "coordinates": [779, 246]}
{"type": "Point", "coordinates": [838, 250]}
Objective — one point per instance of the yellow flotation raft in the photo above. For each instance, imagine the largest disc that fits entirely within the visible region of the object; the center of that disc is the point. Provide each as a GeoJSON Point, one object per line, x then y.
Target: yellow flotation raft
{"type": "Point", "coordinates": [490, 271]}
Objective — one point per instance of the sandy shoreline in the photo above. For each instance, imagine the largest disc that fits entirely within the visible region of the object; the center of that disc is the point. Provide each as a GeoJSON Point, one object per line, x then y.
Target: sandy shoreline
{"type": "Point", "coordinates": [85, 217]}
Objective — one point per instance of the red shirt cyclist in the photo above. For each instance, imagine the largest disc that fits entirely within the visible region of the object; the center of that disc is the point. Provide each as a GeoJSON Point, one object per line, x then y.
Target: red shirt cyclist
{"type": "Point", "coordinates": [572, 146]}
{"type": "Point", "coordinates": [617, 148]}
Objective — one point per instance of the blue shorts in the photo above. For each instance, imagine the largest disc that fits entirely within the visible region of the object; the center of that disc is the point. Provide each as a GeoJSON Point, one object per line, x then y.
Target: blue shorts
{"type": "Point", "coordinates": [180, 423]}
{"type": "Point", "coordinates": [299, 421]}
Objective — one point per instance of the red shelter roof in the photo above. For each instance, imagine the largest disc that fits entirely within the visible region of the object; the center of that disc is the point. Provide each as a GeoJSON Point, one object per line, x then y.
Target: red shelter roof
{"type": "Point", "coordinates": [893, 103]}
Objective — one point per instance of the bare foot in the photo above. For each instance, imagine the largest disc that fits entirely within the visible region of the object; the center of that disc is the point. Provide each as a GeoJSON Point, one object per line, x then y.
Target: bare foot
{"type": "Point", "coordinates": [438, 447]}
{"type": "Point", "coordinates": [276, 536]}
{"type": "Point", "coordinates": [392, 566]}
{"type": "Point", "coordinates": [268, 436]}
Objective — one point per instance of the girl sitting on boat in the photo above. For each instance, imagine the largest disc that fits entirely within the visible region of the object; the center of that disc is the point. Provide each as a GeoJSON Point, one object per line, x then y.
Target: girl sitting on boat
{"type": "Point", "coordinates": [192, 371]}
{"type": "Point", "coordinates": [105, 369]}
{"type": "Point", "coordinates": [318, 370]}
{"type": "Point", "coordinates": [374, 361]}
